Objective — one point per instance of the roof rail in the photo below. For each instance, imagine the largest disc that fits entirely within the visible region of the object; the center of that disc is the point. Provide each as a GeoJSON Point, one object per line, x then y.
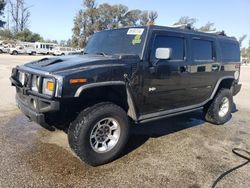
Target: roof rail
{"type": "Point", "coordinates": [222, 33]}
{"type": "Point", "coordinates": [182, 26]}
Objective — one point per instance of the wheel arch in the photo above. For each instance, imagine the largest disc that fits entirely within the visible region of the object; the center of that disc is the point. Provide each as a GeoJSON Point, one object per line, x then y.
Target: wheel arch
{"type": "Point", "coordinates": [224, 82]}
{"type": "Point", "coordinates": [117, 92]}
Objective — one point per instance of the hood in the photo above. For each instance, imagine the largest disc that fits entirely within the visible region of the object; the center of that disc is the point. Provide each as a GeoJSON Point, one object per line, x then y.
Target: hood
{"type": "Point", "coordinates": [59, 64]}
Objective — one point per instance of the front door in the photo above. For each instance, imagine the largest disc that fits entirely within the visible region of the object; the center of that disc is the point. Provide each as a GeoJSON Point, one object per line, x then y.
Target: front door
{"type": "Point", "coordinates": [165, 81]}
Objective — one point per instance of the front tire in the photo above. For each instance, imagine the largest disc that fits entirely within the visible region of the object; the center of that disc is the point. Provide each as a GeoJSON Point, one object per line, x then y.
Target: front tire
{"type": "Point", "coordinates": [14, 53]}
{"type": "Point", "coordinates": [219, 110]}
{"type": "Point", "coordinates": [99, 133]}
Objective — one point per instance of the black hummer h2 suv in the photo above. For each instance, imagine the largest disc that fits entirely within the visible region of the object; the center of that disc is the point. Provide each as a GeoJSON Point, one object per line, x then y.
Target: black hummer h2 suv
{"type": "Point", "coordinates": [129, 75]}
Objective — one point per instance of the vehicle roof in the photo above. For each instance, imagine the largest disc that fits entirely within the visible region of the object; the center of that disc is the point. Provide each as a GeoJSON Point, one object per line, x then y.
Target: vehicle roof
{"type": "Point", "coordinates": [191, 31]}
{"type": "Point", "coordinates": [185, 31]}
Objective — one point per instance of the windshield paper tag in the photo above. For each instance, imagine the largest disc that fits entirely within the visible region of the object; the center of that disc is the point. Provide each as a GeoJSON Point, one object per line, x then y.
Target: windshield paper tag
{"type": "Point", "coordinates": [135, 31]}
{"type": "Point", "coordinates": [136, 40]}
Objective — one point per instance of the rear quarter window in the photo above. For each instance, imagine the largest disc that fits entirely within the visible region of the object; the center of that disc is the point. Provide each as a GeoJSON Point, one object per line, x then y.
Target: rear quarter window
{"type": "Point", "coordinates": [230, 51]}
{"type": "Point", "coordinates": [202, 50]}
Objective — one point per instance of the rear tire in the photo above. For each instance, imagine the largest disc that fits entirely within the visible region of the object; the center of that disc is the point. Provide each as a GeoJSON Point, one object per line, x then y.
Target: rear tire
{"type": "Point", "coordinates": [99, 133]}
{"type": "Point", "coordinates": [219, 110]}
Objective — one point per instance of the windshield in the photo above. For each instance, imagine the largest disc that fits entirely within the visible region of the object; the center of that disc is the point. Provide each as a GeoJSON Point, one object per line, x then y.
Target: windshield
{"type": "Point", "coordinates": [119, 41]}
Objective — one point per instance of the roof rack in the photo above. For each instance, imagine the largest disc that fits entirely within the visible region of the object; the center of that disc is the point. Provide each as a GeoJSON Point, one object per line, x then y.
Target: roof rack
{"type": "Point", "coordinates": [222, 33]}
{"type": "Point", "coordinates": [182, 26]}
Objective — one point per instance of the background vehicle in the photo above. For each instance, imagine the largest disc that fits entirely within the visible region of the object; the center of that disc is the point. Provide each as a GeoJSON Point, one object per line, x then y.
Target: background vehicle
{"type": "Point", "coordinates": [129, 75]}
{"type": "Point", "coordinates": [3, 47]}
{"type": "Point", "coordinates": [44, 48]}
{"type": "Point", "coordinates": [60, 51]}
{"type": "Point", "coordinates": [23, 49]}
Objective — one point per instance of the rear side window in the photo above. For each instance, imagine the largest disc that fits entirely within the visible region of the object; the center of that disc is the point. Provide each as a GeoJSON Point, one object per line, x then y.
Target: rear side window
{"type": "Point", "coordinates": [230, 51]}
{"type": "Point", "coordinates": [175, 43]}
{"type": "Point", "coordinates": [202, 50]}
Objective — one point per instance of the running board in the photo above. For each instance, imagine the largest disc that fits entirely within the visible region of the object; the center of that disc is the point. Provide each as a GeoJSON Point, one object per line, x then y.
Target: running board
{"type": "Point", "coordinates": [142, 120]}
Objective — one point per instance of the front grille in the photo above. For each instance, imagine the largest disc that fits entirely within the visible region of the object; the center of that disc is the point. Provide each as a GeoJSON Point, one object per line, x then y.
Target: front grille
{"type": "Point", "coordinates": [29, 86]}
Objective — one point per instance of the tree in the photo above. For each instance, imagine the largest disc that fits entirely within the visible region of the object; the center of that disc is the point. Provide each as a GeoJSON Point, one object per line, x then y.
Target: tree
{"type": "Point", "coordinates": [241, 39]}
{"type": "Point", "coordinates": [208, 27]}
{"type": "Point", "coordinates": [6, 34]}
{"type": "Point", "coordinates": [148, 18]}
{"type": "Point", "coordinates": [20, 14]}
{"type": "Point", "coordinates": [95, 17]}
{"type": "Point", "coordinates": [185, 20]}
{"type": "Point", "coordinates": [2, 5]}
{"type": "Point", "coordinates": [245, 52]}
{"type": "Point", "coordinates": [27, 36]}
{"type": "Point", "coordinates": [69, 43]}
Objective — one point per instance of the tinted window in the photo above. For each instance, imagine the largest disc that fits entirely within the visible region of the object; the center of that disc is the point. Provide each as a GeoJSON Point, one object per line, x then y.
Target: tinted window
{"type": "Point", "coordinates": [175, 43]}
{"type": "Point", "coordinates": [230, 51]}
{"type": "Point", "coordinates": [202, 50]}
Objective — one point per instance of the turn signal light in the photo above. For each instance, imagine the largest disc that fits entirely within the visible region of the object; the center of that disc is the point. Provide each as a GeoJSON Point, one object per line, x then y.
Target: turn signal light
{"type": "Point", "coordinates": [78, 81]}
{"type": "Point", "coordinates": [50, 86]}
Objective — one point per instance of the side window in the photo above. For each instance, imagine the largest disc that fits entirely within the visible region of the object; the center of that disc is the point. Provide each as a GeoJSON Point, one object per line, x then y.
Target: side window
{"type": "Point", "coordinates": [202, 50]}
{"type": "Point", "coordinates": [230, 51]}
{"type": "Point", "coordinates": [177, 44]}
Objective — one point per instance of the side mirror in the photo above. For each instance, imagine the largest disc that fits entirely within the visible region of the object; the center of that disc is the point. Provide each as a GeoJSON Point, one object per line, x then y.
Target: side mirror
{"type": "Point", "coordinates": [163, 53]}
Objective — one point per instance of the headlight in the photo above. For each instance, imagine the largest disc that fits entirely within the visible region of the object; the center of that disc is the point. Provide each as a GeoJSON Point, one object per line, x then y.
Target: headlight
{"type": "Point", "coordinates": [21, 77]}
{"type": "Point", "coordinates": [48, 86]}
{"type": "Point", "coordinates": [35, 83]}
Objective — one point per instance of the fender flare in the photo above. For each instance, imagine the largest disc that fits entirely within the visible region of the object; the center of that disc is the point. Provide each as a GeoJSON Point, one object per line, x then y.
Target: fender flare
{"type": "Point", "coordinates": [130, 100]}
{"type": "Point", "coordinates": [218, 84]}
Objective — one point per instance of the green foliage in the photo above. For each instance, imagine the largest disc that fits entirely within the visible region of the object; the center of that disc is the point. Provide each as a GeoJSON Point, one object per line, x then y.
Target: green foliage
{"type": "Point", "coordinates": [245, 52]}
{"type": "Point", "coordinates": [208, 27]}
{"type": "Point", "coordinates": [25, 36]}
{"type": "Point", "coordinates": [95, 17]}
{"type": "Point", "coordinates": [6, 34]}
{"type": "Point", "coordinates": [185, 20]}
{"type": "Point", "coordinates": [2, 5]}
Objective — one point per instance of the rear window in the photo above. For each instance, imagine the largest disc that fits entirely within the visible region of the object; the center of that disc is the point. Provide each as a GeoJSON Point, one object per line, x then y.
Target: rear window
{"type": "Point", "coordinates": [230, 51]}
{"type": "Point", "coordinates": [202, 50]}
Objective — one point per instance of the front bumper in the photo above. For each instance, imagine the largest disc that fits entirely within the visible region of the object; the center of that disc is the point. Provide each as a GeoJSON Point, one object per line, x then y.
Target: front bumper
{"type": "Point", "coordinates": [236, 89]}
{"type": "Point", "coordinates": [37, 112]}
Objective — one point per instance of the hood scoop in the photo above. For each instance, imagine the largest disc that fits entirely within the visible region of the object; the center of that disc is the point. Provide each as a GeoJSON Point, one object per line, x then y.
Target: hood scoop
{"type": "Point", "coordinates": [47, 62]}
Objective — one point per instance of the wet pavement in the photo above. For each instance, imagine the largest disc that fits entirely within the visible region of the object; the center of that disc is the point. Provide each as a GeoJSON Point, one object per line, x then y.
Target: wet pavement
{"type": "Point", "coordinates": [176, 152]}
{"type": "Point", "coordinates": [182, 151]}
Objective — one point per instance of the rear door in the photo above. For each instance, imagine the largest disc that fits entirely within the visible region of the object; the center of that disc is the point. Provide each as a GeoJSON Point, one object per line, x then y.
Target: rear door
{"type": "Point", "coordinates": [203, 68]}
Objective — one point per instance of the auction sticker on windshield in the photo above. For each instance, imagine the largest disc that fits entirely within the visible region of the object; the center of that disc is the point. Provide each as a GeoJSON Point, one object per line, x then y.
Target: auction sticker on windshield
{"type": "Point", "coordinates": [135, 31]}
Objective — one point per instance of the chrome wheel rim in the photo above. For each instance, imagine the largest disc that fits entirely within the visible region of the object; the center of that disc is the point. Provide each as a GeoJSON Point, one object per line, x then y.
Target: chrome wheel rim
{"type": "Point", "coordinates": [105, 135]}
{"type": "Point", "coordinates": [224, 107]}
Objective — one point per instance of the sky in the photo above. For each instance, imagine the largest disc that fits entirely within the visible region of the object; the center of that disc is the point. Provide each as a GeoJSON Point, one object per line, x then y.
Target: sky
{"type": "Point", "coordinates": [53, 19]}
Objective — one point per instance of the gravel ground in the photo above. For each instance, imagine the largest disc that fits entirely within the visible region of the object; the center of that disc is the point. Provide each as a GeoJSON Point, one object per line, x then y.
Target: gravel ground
{"type": "Point", "coordinates": [182, 151]}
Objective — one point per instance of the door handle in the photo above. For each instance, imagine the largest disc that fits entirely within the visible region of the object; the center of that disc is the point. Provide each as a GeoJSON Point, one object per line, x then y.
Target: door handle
{"type": "Point", "coordinates": [215, 67]}
{"type": "Point", "coordinates": [183, 68]}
